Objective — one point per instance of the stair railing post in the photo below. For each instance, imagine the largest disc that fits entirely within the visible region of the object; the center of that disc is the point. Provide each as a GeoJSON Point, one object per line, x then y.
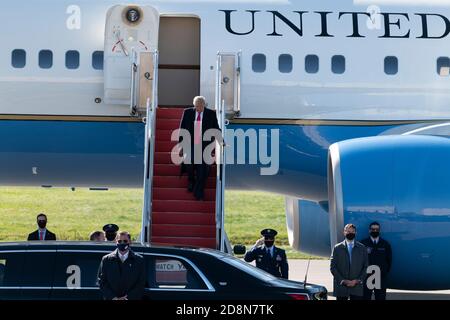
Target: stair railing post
{"type": "Point", "coordinates": [222, 166]}
{"type": "Point", "coordinates": [150, 127]}
{"type": "Point", "coordinates": [218, 154]}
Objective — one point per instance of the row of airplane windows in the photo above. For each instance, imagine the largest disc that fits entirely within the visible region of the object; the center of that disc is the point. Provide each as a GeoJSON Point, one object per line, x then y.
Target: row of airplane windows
{"type": "Point", "coordinates": [72, 61]}
{"type": "Point", "coordinates": [285, 64]}
{"type": "Point", "coordinates": [259, 62]}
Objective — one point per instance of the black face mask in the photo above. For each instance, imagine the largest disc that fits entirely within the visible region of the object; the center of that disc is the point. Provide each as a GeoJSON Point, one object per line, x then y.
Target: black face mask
{"type": "Point", "coordinates": [268, 243]}
{"type": "Point", "coordinates": [123, 246]}
{"type": "Point", "coordinates": [42, 224]}
{"type": "Point", "coordinates": [350, 236]}
{"type": "Point", "coordinates": [375, 234]}
{"type": "Point", "coordinates": [110, 236]}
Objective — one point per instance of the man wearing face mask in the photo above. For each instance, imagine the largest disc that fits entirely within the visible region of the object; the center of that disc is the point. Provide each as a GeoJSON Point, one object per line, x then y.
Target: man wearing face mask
{"type": "Point", "coordinates": [268, 257]}
{"type": "Point", "coordinates": [380, 254]}
{"type": "Point", "coordinates": [349, 262]}
{"type": "Point", "coordinates": [121, 274]}
{"type": "Point", "coordinates": [41, 233]}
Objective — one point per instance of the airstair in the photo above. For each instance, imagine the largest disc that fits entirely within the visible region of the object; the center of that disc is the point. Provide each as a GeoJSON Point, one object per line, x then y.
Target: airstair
{"type": "Point", "coordinates": [170, 214]}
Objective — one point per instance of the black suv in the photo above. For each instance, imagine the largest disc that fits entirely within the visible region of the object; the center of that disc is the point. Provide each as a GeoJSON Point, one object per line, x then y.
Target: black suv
{"type": "Point", "coordinates": [68, 270]}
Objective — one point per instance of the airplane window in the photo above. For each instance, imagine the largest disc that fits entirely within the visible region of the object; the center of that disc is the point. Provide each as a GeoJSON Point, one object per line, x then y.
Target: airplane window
{"type": "Point", "coordinates": [97, 60]}
{"type": "Point", "coordinates": [285, 63]}
{"type": "Point", "coordinates": [443, 66]}
{"type": "Point", "coordinates": [391, 65]}
{"type": "Point", "coordinates": [338, 64]}
{"type": "Point", "coordinates": [312, 63]}
{"type": "Point", "coordinates": [18, 58]}
{"type": "Point", "coordinates": [72, 59]}
{"type": "Point", "coordinates": [259, 62]}
{"type": "Point", "coordinates": [45, 59]}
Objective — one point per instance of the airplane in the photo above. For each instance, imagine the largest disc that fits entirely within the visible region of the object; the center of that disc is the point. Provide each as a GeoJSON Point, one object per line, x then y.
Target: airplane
{"type": "Point", "coordinates": [356, 95]}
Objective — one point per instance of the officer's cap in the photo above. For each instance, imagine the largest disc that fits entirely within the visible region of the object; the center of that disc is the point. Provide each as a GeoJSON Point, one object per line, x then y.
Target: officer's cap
{"type": "Point", "coordinates": [269, 233]}
{"type": "Point", "coordinates": [111, 227]}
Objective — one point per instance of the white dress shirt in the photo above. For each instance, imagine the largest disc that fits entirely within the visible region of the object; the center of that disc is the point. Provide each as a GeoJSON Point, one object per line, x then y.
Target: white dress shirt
{"type": "Point", "coordinates": [43, 232]}
{"type": "Point", "coordinates": [123, 257]}
{"type": "Point", "coordinates": [375, 240]}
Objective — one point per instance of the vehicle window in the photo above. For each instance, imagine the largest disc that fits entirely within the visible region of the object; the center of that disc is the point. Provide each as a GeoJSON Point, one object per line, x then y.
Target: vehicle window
{"type": "Point", "coordinates": [172, 273]}
{"type": "Point", "coordinates": [249, 269]}
{"type": "Point", "coordinates": [285, 63]}
{"type": "Point", "coordinates": [77, 269]}
{"type": "Point", "coordinates": [38, 269]}
{"type": "Point", "coordinates": [391, 65]}
{"type": "Point", "coordinates": [259, 62]}
{"type": "Point", "coordinates": [11, 265]}
{"type": "Point", "coordinates": [72, 59]}
{"type": "Point", "coordinates": [443, 66]}
{"type": "Point", "coordinates": [312, 63]}
{"type": "Point", "coordinates": [45, 59]}
{"type": "Point", "coordinates": [18, 58]}
{"type": "Point", "coordinates": [338, 64]}
{"type": "Point", "coordinates": [97, 60]}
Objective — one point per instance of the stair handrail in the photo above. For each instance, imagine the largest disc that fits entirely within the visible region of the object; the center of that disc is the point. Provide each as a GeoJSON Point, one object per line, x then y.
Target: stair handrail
{"type": "Point", "coordinates": [134, 71]}
{"type": "Point", "coordinates": [220, 159]}
{"type": "Point", "coordinates": [149, 153]}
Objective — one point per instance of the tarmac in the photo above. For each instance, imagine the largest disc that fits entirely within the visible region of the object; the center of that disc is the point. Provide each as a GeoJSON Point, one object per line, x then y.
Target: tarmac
{"type": "Point", "coordinates": [319, 273]}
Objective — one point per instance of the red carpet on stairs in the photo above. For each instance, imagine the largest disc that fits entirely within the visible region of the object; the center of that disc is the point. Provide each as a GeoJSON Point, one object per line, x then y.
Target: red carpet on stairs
{"type": "Point", "coordinates": [177, 218]}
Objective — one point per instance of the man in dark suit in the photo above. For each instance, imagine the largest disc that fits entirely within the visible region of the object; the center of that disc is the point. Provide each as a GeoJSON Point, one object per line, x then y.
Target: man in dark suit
{"type": "Point", "coordinates": [380, 254]}
{"type": "Point", "coordinates": [41, 233]}
{"type": "Point", "coordinates": [197, 121]}
{"type": "Point", "coordinates": [349, 263]}
{"type": "Point", "coordinates": [268, 257]}
{"type": "Point", "coordinates": [121, 274]}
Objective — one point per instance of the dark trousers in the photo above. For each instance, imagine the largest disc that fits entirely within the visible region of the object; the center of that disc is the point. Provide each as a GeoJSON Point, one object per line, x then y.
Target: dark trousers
{"type": "Point", "coordinates": [380, 294]}
{"type": "Point", "coordinates": [197, 174]}
{"type": "Point", "coordinates": [351, 297]}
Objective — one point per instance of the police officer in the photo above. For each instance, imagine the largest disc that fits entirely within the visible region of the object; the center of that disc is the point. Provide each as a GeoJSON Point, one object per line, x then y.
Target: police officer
{"type": "Point", "coordinates": [380, 254]}
{"type": "Point", "coordinates": [268, 257]}
{"type": "Point", "coordinates": [111, 231]}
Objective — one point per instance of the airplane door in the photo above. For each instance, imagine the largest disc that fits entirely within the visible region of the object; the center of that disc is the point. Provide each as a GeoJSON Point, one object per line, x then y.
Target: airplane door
{"type": "Point", "coordinates": [228, 83]}
{"type": "Point", "coordinates": [129, 31]}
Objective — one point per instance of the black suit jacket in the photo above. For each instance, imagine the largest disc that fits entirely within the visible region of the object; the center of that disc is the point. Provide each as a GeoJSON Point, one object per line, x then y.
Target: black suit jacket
{"type": "Point", "coordinates": [117, 279]}
{"type": "Point", "coordinates": [209, 121]}
{"type": "Point", "coordinates": [380, 254]}
{"type": "Point", "coordinates": [276, 265]}
{"type": "Point", "coordinates": [35, 236]}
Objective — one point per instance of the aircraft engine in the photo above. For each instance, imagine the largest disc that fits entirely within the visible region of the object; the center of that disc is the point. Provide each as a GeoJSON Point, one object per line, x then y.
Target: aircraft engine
{"type": "Point", "coordinates": [403, 182]}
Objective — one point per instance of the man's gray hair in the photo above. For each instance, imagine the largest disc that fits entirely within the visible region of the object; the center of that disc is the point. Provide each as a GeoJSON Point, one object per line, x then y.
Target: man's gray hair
{"type": "Point", "coordinates": [200, 99]}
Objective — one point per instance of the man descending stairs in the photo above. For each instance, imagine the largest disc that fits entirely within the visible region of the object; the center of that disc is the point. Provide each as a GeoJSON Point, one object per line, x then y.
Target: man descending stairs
{"type": "Point", "coordinates": [177, 216]}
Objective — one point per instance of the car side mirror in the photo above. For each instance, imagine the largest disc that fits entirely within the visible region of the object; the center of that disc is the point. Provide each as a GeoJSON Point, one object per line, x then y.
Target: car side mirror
{"type": "Point", "coordinates": [239, 249]}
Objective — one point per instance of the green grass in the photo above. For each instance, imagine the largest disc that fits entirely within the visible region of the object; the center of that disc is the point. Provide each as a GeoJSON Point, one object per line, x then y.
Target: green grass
{"type": "Point", "coordinates": [73, 215]}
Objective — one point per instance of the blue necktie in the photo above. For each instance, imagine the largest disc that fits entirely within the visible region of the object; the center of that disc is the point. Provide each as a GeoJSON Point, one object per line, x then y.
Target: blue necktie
{"type": "Point", "coordinates": [350, 248]}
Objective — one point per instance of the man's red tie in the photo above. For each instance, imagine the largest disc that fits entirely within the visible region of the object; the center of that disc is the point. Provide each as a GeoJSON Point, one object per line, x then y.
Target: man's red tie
{"type": "Point", "coordinates": [41, 235]}
{"type": "Point", "coordinates": [198, 129]}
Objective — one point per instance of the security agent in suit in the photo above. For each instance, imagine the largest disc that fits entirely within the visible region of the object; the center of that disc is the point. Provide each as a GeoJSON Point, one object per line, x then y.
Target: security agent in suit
{"type": "Point", "coordinates": [380, 254]}
{"type": "Point", "coordinates": [42, 233]}
{"type": "Point", "coordinates": [197, 121]}
{"type": "Point", "coordinates": [121, 274]}
{"type": "Point", "coordinates": [349, 262]}
{"type": "Point", "coordinates": [268, 257]}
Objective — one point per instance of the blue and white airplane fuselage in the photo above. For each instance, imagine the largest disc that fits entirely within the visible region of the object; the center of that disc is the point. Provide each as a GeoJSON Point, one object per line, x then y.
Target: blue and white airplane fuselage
{"type": "Point", "coordinates": [358, 93]}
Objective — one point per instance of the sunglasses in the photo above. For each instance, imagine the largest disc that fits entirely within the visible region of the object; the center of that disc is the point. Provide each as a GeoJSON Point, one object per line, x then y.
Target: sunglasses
{"type": "Point", "coordinates": [122, 241]}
